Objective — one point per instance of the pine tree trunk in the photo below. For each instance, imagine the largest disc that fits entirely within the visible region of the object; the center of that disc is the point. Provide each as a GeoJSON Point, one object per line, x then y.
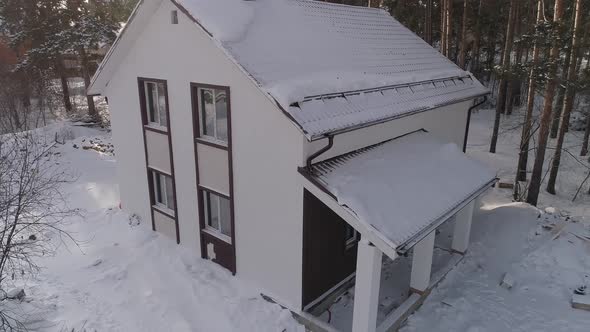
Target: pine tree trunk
{"type": "Point", "coordinates": [428, 23]}
{"type": "Point", "coordinates": [463, 35]}
{"type": "Point", "coordinates": [558, 109]}
{"type": "Point", "coordinates": [449, 24]}
{"type": "Point", "coordinates": [61, 72]}
{"type": "Point", "coordinates": [570, 94]}
{"type": "Point", "coordinates": [536, 177]}
{"type": "Point", "coordinates": [477, 41]}
{"type": "Point", "coordinates": [501, 100]}
{"type": "Point", "coordinates": [443, 26]}
{"type": "Point", "coordinates": [584, 151]}
{"type": "Point", "coordinates": [512, 83]}
{"type": "Point", "coordinates": [86, 73]}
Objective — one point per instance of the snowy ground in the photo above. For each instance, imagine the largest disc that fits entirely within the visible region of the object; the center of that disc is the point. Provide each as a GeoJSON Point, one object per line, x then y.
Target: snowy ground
{"type": "Point", "coordinates": [506, 237]}
{"type": "Point", "coordinates": [128, 278]}
{"type": "Point", "coordinates": [124, 277]}
{"type": "Point", "coordinates": [509, 238]}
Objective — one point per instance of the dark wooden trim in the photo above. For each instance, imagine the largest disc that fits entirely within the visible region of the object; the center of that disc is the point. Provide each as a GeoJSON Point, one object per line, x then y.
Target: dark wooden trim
{"type": "Point", "coordinates": [142, 112]}
{"type": "Point", "coordinates": [156, 130]}
{"type": "Point", "coordinates": [155, 170]}
{"type": "Point", "coordinates": [213, 191]}
{"type": "Point", "coordinates": [203, 141]}
{"type": "Point", "coordinates": [198, 140]}
{"type": "Point", "coordinates": [306, 174]}
{"type": "Point", "coordinates": [231, 176]}
{"type": "Point", "coordinates": [162, 211]}
{"type": "Point", "coordinates": [151, 79]}
{"type": "Point", "coordinates": [168, 133]}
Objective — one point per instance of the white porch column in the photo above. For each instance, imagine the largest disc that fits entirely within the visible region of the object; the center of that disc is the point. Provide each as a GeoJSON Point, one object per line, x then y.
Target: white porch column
{"type": "Point", "coordinates": [462, 228]}
{"type": "Point", "coordinates": [366, 288]}
{"type": "Point", "coordinates": [422, 264]}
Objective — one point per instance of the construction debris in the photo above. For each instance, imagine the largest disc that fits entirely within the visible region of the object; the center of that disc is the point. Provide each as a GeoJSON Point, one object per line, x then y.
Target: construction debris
{"type": "Point", "coordinates": [581, 302]}
{"type": "Point", "coordinates": [507, 282]}
{"type": "Point", "coordinates": [505, 185]}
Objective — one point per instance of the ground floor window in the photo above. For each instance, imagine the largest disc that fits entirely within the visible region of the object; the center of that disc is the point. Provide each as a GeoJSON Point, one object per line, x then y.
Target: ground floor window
{"type": "Point", "coordinates": [162, 191]}
{"type": "Point", "coordinates": [217, 214]}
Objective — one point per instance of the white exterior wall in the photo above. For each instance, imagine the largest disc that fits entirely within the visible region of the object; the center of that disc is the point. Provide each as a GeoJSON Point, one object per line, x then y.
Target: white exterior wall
{"type": "Point", "coordinates": [447, 123]}
{"type": "Point", "coordinates": [213, 168]}
{"type": "Point", "coordinates": [267, 149]}
{"type": "Point", "coordinates": [165, 224]}
{"type": "Point", "coordinates": [158, 151]}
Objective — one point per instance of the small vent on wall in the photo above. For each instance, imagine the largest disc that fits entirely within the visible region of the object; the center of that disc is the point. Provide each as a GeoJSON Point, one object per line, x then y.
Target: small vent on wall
{"type": "Point", "coordinates": [174, 17]}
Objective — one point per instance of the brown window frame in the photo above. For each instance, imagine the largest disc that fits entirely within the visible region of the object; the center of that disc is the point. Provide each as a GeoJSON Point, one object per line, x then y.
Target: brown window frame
{"type": "Point", "coordinates": [200, 129]}
{"type": "Point", "coordinates": [205, 194]}
{"type": "Point", "coordinates": [152, 125]}
{"type": "Point", "coordinates": [168, 132]}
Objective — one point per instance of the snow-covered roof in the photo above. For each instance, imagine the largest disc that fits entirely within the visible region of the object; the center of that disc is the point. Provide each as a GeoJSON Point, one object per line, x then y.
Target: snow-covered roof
{"type": "Point", "coordinates": [404, 186]}
{"type": "Point", "coordinates": [299, 48]}
{"type": "Point", "coordinates": [294, 49]}
{"type": "Point", "coordinates": [329, 114]}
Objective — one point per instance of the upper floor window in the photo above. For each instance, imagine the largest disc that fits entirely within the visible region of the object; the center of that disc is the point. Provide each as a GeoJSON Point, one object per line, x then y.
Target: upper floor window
{"type": "Point", "coordinates": [213, 111]}
{"type": "Point", "coordinates": [156, 106]}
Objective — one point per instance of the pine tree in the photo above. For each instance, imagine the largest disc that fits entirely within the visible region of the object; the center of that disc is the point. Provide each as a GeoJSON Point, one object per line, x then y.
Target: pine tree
{"type": "Point", "coordinates": [501, 100]}
{"type": "Point", "coordinates": [569, 98]}
{"type": "Point", "coordinates": [521, 173]}
{"type": "Point", "coordinates": [89, 24]}
{"type": "Point", "coordinates": [536, 178]}
{"type": "Point", "coordinates": [428, 23]}
{"type": "Point", "coordinates": [477, 39]}
{"type": "Point", "coordinates": [463, 50]}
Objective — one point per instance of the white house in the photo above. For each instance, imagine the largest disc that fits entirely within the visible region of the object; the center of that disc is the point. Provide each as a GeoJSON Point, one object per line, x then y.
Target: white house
{"type": "Point", "coordinates": [292, 141]}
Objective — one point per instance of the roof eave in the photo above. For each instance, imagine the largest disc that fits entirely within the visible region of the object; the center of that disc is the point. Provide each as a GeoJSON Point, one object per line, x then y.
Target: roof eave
{"type": "Point", "coordinates": [405, 247]}
{"type": "Point", "coordinates": [323, 135]}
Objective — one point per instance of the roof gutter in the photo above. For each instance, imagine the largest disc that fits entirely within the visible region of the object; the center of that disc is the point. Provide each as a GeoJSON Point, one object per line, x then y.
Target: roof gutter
{"type": "Point", "coordinates": [485, 98]}
{"type": "Point", "coordinates": [405, 247]}
{"type": "Point", "coordinates": [320, 152]}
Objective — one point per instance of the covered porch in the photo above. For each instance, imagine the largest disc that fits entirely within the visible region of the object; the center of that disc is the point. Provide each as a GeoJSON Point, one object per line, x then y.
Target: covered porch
{"type": "Point", "coordinates": [396, 194]}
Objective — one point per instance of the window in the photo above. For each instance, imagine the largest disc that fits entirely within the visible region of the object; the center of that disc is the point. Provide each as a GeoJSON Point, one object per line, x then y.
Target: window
{"type": "Point", "coordinates": [174, 17]}
{"type": "Point", "coordinates": [163, 191]}
{"type": "Point", "coordinates": [155, 103]}
{"type": "Point", "coordinates": [213, 113]}
{"type": "Point", "coordinates": [217, 213]}
{"type": "Point", "coordinates": [350, 236]}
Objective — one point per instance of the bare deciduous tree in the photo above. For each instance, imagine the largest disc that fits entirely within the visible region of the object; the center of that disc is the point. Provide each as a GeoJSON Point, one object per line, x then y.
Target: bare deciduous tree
{"type": "Point", "coordinates": [32, 210]}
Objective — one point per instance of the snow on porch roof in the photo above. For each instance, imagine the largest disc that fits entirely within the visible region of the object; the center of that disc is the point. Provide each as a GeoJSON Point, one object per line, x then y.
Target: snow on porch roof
{"type": "Point", "coordinates": [404, 187]}
{"type": "Point", "coordinates": [294, 49]}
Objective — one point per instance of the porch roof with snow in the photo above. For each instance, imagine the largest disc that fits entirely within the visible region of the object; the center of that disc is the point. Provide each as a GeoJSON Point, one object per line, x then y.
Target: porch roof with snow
{"type": "Point", "coordinates": [329, 67]}
{"type": "Point", "coordinates": [405, 187]}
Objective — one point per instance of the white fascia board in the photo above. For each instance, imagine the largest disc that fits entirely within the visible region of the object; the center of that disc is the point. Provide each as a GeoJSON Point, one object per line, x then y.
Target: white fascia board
{"type": "Point", "coordinates": [139, 18]}
{"type": "Point", "coordinates": [367, 231]}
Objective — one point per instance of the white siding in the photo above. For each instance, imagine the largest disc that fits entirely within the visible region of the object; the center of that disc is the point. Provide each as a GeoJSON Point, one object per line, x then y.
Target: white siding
{"type": "Point", "coordinates": [158, 151]}
{"type": "Point", "coordinates": [213, 168]}
{"type": "Point", "coordinates": [266, 151]}
{"type": "Point", "coordinates": [165, 224]}
{"type": "Point", "coordinates": [446, 123]}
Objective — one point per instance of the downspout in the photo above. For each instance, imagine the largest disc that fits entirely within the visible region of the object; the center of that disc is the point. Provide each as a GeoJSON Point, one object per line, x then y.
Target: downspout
{"type": "Point", "coordinates": [485, 98]}
{"type": "Point", "coordinates": [320, 151]}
